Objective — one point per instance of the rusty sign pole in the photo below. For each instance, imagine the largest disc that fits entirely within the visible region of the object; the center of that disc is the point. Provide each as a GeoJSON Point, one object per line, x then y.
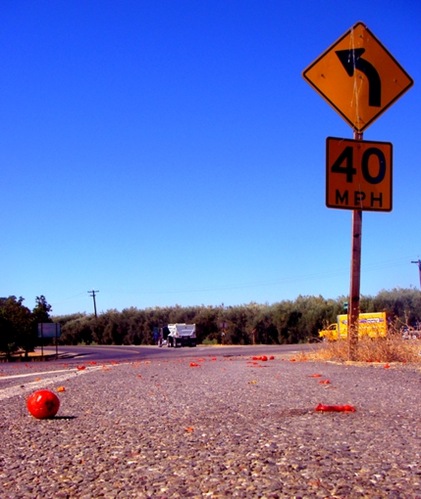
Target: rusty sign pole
{"type": "Point", "coordinates": [355, 279]}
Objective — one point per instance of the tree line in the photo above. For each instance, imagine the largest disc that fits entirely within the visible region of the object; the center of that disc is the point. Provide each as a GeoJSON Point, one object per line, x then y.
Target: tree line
{"type": "Point", "coordinates": [288, 321]}
{"type": "Point", "coordinates": [19, 324]}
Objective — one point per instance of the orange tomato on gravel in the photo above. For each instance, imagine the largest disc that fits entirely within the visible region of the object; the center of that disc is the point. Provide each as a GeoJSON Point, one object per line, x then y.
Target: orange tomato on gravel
{"type": "Point", "coordinates": [43, 404]}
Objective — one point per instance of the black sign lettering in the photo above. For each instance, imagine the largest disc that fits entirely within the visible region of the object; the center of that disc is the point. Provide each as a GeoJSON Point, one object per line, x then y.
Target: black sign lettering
{"type": "Point", "coordinates": [359, 197]}
{"type": "Point", "coordinates": [365, 165]}
{"type": "Point", "coordinates": [344, 164]}
{"type": "Point", "coordinates": [376, 200]}
{"type": "Point", "coordinates": [342, 198]}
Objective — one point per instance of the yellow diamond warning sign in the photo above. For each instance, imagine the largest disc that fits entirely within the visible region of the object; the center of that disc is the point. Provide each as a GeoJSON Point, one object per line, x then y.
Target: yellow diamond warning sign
{"type": "Point", "coordinates": [358, 77]}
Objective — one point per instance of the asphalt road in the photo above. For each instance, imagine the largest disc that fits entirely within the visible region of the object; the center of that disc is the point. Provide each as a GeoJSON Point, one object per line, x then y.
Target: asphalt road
{"type": "Point", "coordinates": [19, 377]}
{"type": "Point", "coordinates": [107, 353]}
{"type": "Point", "coordinates": [217, 424]}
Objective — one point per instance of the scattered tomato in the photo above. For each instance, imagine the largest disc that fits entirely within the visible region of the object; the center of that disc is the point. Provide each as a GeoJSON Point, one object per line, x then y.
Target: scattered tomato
{"type": "Point", "coordinates": [43, 404]}
{"type": "Point", "coordinates": [335, 408]}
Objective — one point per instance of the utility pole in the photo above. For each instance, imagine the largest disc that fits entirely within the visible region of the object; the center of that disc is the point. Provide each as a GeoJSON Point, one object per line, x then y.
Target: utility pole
{"type": "Point", "coordinates": [93, 294]}
{"type": "Point", "coordinates": [418, 262]}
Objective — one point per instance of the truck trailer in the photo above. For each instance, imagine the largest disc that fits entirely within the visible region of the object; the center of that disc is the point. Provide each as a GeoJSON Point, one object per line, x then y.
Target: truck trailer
{"type": "Point", "coordinates": [371, 324]}
{"type": "Point", "coordinates": [180, 335]}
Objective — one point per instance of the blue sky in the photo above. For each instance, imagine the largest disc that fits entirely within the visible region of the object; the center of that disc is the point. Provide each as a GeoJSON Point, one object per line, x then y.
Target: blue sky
{"type": "Point", "coordinates": [170, 152]}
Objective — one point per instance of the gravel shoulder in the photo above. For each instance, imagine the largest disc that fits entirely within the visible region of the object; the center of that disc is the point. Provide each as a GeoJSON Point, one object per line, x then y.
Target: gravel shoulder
{"type": "Point", "coordinates": [222, 427]}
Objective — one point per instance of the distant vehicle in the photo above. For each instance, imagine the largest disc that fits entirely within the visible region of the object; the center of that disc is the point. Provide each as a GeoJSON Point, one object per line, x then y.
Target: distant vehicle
{"type": "Point", "coordinates": [372, 324]}
{"type": "Point", "coordinates": [410, 333]}
{"type": "Point", "coordinates": [181, 335]}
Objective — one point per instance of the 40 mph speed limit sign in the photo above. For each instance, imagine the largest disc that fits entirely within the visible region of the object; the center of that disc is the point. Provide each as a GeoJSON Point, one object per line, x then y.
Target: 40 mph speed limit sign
{"type": "Point", "coordinates": [358, 174]}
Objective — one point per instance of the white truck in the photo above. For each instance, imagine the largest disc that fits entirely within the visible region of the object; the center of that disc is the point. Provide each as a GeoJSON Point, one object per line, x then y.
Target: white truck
{"type": "Point", "coordinates": [180, 335]}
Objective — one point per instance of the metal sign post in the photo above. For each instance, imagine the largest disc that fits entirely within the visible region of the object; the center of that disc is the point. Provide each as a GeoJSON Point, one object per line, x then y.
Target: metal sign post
{"type": "Point", "coordinates": [354, 292]}
{"type": "Point", "coordinates": [42, 340]}
{"type": "Point", "coordinates": [49, 330]}
{"type": "Point", "coordinates": [355, 279]}
{"type": "Point", "coordinates": [58, 330]}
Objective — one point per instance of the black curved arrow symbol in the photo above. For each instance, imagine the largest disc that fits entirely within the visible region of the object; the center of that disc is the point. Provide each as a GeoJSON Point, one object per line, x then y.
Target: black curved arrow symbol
{"type": "Point", "coordinates": [352, 60]}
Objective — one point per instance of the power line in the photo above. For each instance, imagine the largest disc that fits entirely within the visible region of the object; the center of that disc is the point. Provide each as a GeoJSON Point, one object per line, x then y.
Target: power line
{"type": "Point", "coordinates": [93, 294]}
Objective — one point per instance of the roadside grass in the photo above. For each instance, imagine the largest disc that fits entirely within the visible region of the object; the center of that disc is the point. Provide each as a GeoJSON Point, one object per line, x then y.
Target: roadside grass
{"type": "Point", "coordinates": [393, 348]}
